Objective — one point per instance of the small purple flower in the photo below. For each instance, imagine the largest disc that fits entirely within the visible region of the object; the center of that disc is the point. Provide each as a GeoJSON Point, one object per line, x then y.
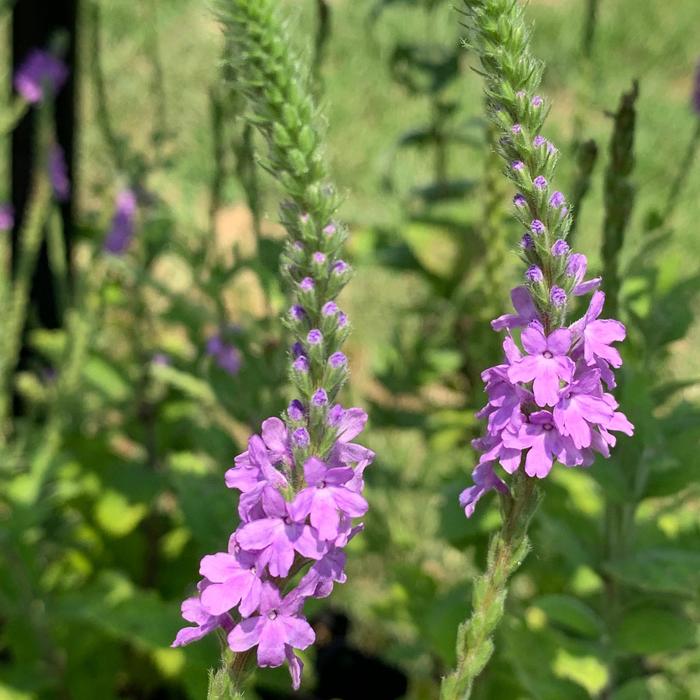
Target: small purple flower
{"type": "Point", "coordinates": [534, 274]}
{"type": "Point", "coordinates": [598, 334]}
{"type": "Point", "coordinates": [557, 296]}
{"type": "Point", "coordinates": [540, 182]}
{"type": "Point", "coordinates": [297, 349]}
{"type": "Point", "coordinates": [556, 200]}
{"type": "Point", "coordinates": [314, 337]}
{"type": "Point", "coordinates": [193, 611]}
{"type": "Point", "coordinates": [326, 497]}
{"type": "Point", "coordinates": [329, 230]}
{"type": "Point", "coordinates": [277, 630]}
{"type": "Point", "coordinates": [539, 141]}
{"type": "Point", "coordinates": [340, 267]}
{"type": "Point", "coordinates": [526, 242]}
{"type": "Point", "coordinates": [122, 229]}
{"type": "Point", "coordinates": [342, 320]}
{"type": "Point", "coordinates": [525, 308]}
{"type": "Point", "coordinates": [307, 284]}
{"type": "Point", "coordinates": [560, 248]}
{"type": "Point", "coordinates": [576, 268]}
{"type": "Point", "coordinates": [58, 173]}
{"type": "Point", "coordinates": [551, 148]}
{"type": "Point", "coordinates": [537, 101]}
{"type": "Point", "coordinates": [295, 410]}
{"type": "Point", "coordinates": [228, 357]}
{"type": "Point", "coordinates": [297, 312]}
{"type": "Point", "coordinates": [519, 200]}
{"type": "Point", "coordinates": [546, 363]}
{"type": "Point", "coordinates": [516, 129]}
{"type": "Point", "coordinates": [300, 437]}
{"type": "Point", "coordinates": [330, 308]}
{"type": "Point", "coordinates": [537, 227]}
{"type": "Point", "coordinates": [337, 360]}
{"type": "Point", "coordinates": [40, 70]}
{"type": "Point", "coordinates": [304, 218]}
{"type": "Point", "coordinates": [160, 358]}
{"type": "Point", "coordinates": [518, 166]}
{"type": "Point", "coordinates": [320, 398]}
{"type": "Point", "coordinates": [301, 364]}
{"type": "Point", "coordinates": [319, 258]}
{"type": "Point", "coordinates": [485, 480]}
{"type": "Point", "coordinates": [7, 217]}
{"type": "Point", "coordinates": [234, 581]}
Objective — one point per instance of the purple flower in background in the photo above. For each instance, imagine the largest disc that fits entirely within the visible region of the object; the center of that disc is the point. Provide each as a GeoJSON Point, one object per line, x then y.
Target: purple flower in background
{"type": "Point", "coordinates": [546, 363]}
{"type": "Point", "coordinates": [7, 217]}
{"type": "Point", "coordinates": [58, 173]}
{"type": "Point", "coordinates": [277, 630]}
{"type": "Point", "coordinates": [122, 228]}
{"type": "Point", "coordinates": [40, 70]}
{"type": "Point", "coordinates": [161, 358]}
{"type": "Point", "coordinates": [228, 357]}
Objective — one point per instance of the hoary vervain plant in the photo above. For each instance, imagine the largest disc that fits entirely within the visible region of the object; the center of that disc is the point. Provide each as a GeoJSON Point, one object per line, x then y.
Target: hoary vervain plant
{"type": "Point", "coordinates": [301, 479]}
{"type": "Point", "coordinates": [546, 401]}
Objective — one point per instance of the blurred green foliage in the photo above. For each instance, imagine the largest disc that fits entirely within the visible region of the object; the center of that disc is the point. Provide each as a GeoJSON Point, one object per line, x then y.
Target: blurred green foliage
{"type": "Point", "coordinates": [97, 554]}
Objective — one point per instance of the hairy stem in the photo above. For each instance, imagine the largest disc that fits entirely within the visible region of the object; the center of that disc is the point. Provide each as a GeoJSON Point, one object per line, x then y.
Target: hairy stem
{"type": "Point", "coordinates": [507, 551]}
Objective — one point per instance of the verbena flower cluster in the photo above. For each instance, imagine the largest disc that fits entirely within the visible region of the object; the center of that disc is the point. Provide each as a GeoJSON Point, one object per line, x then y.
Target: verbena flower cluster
{"type": "Point", "coordinates": [549, 400]}
{"type": "Point", "coordinates": [300, 483]}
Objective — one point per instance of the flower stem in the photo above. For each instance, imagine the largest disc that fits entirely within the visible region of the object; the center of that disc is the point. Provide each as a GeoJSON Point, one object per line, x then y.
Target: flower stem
{"type": "Point", "coordinates": [507, 551]}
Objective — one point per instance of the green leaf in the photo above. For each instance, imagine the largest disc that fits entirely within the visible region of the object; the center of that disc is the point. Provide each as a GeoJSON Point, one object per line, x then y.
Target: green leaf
{"type": "Point", "coordinates": [674, 571]}
{"type": "Point", "coordinates": [187, 383]}
{"type": "Point", "coordinates": [106, 379]}
{"type": "Point", "coordinates": [654, 630]}
{"type": "Point", "coordinates": [116, 516]}
{"type": "Point", "coordinates": [571, 614]}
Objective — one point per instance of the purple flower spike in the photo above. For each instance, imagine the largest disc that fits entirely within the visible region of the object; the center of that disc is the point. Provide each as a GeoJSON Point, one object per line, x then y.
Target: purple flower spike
{"type": "Point", "coordinates": [122, 229]}
{"type": "Point", "coordinates": [537, 227]}
{"type": "Point", "coordinates": [40, 70]}
{"type": "Point", "coordinates": [557, 296]}
{"type": "Point", "coordinates": [519, 201]}
{"type": "Point", "coordinates": [560, 247]}
{"type": "Point", "coordinates": [539, 141]}
{"type": "Point", "coordinates": [518, 166]}
{"type": "Point", "coordinates": [557, 200]}
{"type": "Point", "coordinates": [540, 182]}
{"type": "Point", "coordinates": [7, 217]}
{"type": "Point", "coordinates": [337, 360]}
{"type": "Point", "coordinates": [307, 284]}
{"type": "Point", "coordinates": [58, 173]}
{"type": "Point", "coordinates": [314, 337]}
{"type": "Point", "coordinates": [534, 274]}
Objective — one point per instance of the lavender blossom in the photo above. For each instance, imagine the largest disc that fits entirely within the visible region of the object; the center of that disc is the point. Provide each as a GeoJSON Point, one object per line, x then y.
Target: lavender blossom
{"type": "Point", "coordinates": [39, 71]}
{"type": "Point", "coordinates": [122, 228]}
{"type": "Point", "coordinates": [227, 357]}
{"type": "Point", "coordinates": [7, 217]}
